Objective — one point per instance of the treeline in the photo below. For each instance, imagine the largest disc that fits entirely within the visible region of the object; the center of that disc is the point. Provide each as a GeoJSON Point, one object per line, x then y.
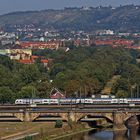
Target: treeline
{"type": "Point", "coordinates": [79, 72]}
{"type": "Point", "coordinates": [85, 71]}
{"type": "Point", "coordinates": [21, 81]}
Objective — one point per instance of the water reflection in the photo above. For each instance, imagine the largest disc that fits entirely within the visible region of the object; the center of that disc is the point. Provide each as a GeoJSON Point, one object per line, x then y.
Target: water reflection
{"type": "Point", "coordinates": [121, 135]}
{"type": "Point", "coordinates": [132, 134]}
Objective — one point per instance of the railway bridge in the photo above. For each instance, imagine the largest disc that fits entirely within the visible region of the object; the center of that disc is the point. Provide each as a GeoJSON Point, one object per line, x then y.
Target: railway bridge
{"type": "Point", "coordinates": [119, 117]}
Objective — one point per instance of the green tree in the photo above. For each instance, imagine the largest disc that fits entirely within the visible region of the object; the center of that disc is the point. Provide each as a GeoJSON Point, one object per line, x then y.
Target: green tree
{"type": "Point", "coordinates": [27, 92]}
{"type": "Point", "coordinates": [44, 89]}
{"type": "Point", "coordinates": [91, 85]}
{"type": "Point", "coordinates": [59, 80]}
{"type": "Point", "coordinates": [6, 95]}
{"type": "Point", "coordinates": [58, 67]}
{"type": "Point", "coordinates": [121, 94]}
{"type": "Point", "coordinates": [71, 87]}
{"type": "Point", "coordinates": [29, 73]}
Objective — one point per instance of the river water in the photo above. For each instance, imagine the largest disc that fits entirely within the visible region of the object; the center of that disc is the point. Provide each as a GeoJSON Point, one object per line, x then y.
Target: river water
{"type": "Point", "coordinates": [133, 134]}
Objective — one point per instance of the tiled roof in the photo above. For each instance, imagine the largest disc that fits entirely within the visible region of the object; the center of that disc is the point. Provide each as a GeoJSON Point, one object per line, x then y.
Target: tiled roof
{"type": "Point", "coordinates": [34, 57]}
{"type": "Point", "coordinates": [112, 42]}
{"type": "Point", "coordinates": [44, 60]}
{"type": "Point", "coordinates": [26, 61]}
{"type": "Point", "coordinates": [57, 95]}
{"type": "Point", "coordinates": [39, 44]}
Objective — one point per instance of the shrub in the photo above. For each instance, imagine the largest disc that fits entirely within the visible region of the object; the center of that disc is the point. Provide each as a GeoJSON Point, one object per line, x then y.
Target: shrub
{"type": "Point", "coordinates": [28, 138]}
{"type": "Point", "coordinates": [58, 124]}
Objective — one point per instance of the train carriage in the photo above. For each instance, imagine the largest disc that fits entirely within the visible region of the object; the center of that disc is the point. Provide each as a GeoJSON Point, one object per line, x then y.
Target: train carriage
{"type": "Point", "coordinates": [78, 101]}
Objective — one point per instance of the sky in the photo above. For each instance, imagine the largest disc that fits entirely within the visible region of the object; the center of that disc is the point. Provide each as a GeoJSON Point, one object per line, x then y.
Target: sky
{"type": "Point", "coordinates": [7, 6]}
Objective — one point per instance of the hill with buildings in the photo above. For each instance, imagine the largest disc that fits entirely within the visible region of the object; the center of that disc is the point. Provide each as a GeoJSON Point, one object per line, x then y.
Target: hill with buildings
{"type": "Point", "coordinates": [123, 18]}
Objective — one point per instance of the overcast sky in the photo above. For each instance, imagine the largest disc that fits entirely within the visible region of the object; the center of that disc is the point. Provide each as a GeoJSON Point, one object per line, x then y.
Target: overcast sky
{"type": "Point", "coordinates": [23, 5]}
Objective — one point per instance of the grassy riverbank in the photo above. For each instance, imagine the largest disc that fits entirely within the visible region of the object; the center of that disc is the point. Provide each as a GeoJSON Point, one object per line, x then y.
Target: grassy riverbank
{"type": "Point", "coordinates": [58, 133]}
{"type": "Point", "coordinates": [69, 132]}
{"type": "Point", "coordinates": [14, 129]}
{"type": "Point", "coordinates": [46, 131]}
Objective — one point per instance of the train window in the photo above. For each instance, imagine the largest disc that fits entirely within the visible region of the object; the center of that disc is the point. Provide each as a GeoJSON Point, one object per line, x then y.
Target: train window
{"type": "Point", "coordinates": [45, 101]}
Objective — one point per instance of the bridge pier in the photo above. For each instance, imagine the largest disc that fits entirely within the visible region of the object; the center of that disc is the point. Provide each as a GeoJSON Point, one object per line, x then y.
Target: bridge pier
{"type": "Point", "coordinates": [72, 116]}
{"type": "Point", "coordinates": [132, 122]}
{"type": "Point", "coordinates": [27, 117]}
{"type": "Point", "coordinates": [118, 122]}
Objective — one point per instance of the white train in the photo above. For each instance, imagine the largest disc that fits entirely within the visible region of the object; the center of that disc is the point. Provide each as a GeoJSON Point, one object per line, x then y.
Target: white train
{"type": "Point", "coordinates": [78, 101]}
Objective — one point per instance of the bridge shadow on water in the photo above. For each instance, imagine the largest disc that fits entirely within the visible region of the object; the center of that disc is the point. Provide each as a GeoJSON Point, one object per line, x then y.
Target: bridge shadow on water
{"type": "Point", "coordinates": [96, 121]}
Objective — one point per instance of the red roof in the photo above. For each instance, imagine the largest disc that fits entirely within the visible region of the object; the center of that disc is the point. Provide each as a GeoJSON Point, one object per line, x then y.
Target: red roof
{"type": "Point", "coordinates": [114, 42]}
{"type": "Point", "coordinates": [44, 60]}
{"type": "Point", "coordinates": [34, 57]}
{"type": "Point", "coordinates": [57, 95]}
{"type": "Point", "coordinates": [26, 61]}
{"type": "Point", "coordinates": [49, 44]}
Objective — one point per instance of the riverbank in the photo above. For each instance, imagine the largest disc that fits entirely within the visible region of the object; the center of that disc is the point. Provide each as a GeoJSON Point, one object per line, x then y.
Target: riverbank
{"type": "Point", "coordinates": [13, 130]}
{"type": "Point", "coordinates": [65, 131]}
{"type": "Point", "coordinates": [43, 131]}
{"type": "Point", "coordinates": [58, 133]}
{"type": "Point", "coordinates": [71, 133]}
{"type": "Point", "coordinates": [16, 129]}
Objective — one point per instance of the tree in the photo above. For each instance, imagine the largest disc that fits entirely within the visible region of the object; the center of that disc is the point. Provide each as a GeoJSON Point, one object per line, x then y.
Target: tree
{"type": "Point", "coordinates": [29, 73]}
{"type": "Point", "coordinates": [27, 92]}
{"type": "Point", "coordinates": [56, 69]}
{"type": "Point", "coordinates": [121, 84]}
{"type": "Point", "coordinates": [6, 95]}
{"type": "Point", "coordinates": [60, 80]}
{"type": "Point", "coordinates": [43, 89]}
{"type": "Point", "coordinates": [5, 76]}
{"type": "Point", "coordinates": [92, 85]}
{"type": "Point", "coordinates": [5, 61]}
{"type": "Point", "coordinates": [72, 86]}
{"type": "Point", "coordinates": [121, 94]}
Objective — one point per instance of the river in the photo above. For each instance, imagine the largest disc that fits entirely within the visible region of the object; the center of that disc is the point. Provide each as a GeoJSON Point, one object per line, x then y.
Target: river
{"type": "Point", "coordinates": [133, 134]}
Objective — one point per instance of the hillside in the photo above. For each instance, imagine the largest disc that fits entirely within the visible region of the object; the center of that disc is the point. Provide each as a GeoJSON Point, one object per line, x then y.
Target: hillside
{"type": "Point", "coordinates": [123, 18]}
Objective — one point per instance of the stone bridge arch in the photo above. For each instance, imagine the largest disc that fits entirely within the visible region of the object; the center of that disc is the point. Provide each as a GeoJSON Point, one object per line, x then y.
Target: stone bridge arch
{"type": "Point", "coordinates": [64, 116]}
{"type": "Point", "coordinates": [132, 121]}
{"type": "Point", "coordinates": [80, 116]}
{"type": "Point", "coordinates": [26, 116]}
{"type": "Point", "coordinates": [130, 115]}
